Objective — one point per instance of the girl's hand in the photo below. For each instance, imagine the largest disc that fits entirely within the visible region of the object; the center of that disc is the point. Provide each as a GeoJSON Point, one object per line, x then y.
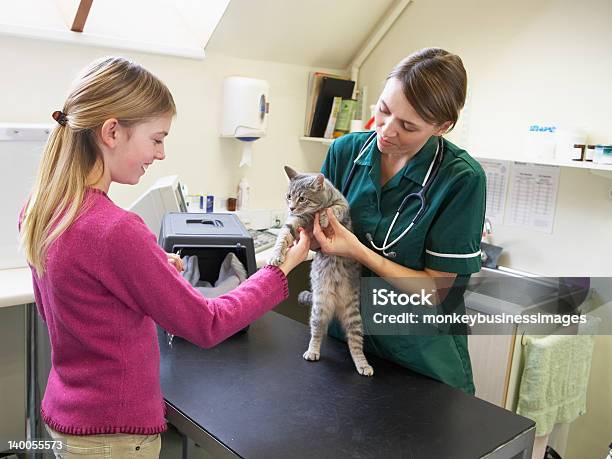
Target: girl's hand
{"type": "Point", "coordinates": [175, 261]}
{"type": "Point", "coordinates": [297, 253]}
{"type": "Point", "coordinates": [335, 239]}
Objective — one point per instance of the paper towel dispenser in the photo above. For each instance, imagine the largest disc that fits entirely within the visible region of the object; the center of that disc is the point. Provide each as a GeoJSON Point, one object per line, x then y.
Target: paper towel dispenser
{"type": "Point", "coordinates": [245, 112]}
{"type": "Point", "coordinates": [245, 107]}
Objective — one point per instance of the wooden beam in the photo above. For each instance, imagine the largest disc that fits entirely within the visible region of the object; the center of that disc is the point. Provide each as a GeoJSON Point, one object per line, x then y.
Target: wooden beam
{"type": "Point", "coordinates": [81, 16]}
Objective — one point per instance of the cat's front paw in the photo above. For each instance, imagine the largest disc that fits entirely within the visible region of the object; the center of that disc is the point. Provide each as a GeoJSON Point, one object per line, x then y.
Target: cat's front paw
{"type": "Point", "coordinates": [277, 259]}
{"type": "Point", "coordinates": [323, 219]}
{"type": "Point", "coordinates": [365, 370]}
{"type": "Point", "coordinates": [312, 356]}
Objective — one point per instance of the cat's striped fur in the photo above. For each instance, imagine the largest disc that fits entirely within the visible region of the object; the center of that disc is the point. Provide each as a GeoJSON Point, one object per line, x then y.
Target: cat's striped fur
{"type": "Point", "coordinates": [334, 280]}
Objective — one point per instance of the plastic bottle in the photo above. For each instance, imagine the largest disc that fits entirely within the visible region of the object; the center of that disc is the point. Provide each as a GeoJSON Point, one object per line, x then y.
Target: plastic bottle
{"type": "Point", "coordinates": [243, 194]}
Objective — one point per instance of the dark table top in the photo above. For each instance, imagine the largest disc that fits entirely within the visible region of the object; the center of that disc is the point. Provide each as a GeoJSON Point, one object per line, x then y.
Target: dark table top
{"type": "Point", "coordinates": [257, 395]}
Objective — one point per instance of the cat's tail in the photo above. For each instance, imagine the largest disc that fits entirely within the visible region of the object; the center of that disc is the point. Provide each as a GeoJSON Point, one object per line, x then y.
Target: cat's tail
{"type": "Point", "coordinates": [305, 298]}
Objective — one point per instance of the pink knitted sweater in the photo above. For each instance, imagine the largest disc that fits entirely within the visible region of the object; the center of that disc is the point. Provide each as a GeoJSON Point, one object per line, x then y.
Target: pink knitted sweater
{"type": "Point", "coordinates": [106, 284]}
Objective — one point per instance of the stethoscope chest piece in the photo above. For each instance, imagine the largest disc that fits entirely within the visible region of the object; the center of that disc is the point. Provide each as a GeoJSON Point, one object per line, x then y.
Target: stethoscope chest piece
{"type": "Point", "coordinates": [386, 254]}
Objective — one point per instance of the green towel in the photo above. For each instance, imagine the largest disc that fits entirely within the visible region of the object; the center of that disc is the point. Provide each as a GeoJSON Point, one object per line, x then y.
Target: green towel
{"type": "Point", "coordinates": [554, 382]}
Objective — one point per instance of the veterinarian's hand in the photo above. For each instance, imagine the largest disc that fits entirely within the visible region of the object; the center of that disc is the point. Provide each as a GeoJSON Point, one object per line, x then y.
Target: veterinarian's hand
{"type": "Point", "coordinates": [297, 253]}
{"type": "Point", "coordinates": [335, 239]}
{"type": "Point", "coordinates": [175, 261]}
{"type": "Point", "coordinates": [314, 244]}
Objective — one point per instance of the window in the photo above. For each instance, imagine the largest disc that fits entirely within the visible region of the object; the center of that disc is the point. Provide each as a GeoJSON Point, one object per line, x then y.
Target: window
{"type": "Point", "coordinates": [175, 27]}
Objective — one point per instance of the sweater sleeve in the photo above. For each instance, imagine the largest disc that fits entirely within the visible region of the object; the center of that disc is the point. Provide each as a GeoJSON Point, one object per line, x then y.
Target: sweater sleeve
{"type": "Point", "coordinates": [136, 270]}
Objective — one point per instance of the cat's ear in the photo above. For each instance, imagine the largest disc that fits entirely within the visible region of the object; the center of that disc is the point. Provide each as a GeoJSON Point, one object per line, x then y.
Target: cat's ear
{"type": "Point", "coordinates": [290, 172]}
{"type": "Point", "coordinates": [320, 180]}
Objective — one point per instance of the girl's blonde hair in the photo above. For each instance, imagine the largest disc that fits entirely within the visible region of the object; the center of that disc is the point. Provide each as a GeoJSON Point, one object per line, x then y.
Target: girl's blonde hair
{"type": "Point", "coordinates": [111, 87]}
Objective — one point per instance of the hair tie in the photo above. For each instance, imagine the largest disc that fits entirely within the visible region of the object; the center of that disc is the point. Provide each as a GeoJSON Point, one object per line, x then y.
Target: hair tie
{"type": "Point", "coordinates": [60, 117]}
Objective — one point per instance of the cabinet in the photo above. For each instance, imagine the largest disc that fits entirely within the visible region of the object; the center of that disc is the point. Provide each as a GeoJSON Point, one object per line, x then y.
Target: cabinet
{"type": "Point", "coordinates": [492, 364]}
{"type": "Point", "coordinates": [13, 374]}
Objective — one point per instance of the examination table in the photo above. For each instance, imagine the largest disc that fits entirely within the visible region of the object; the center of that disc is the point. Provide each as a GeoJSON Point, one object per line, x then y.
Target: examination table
{"type": "Point", "coordinates": [254, 396]}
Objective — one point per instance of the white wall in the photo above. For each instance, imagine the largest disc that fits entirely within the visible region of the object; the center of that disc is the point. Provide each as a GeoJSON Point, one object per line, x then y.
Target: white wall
{"type": "Point", "coordinates": [36, 76]}
{"type": "Point", "coordinates": [527, 62]}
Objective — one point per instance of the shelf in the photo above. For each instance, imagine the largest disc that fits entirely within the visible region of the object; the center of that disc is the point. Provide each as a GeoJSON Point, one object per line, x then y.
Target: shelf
{"type": "Point", "coordinates": [551, 162]}
{"type": "Point", "coordinates": [320, 140]}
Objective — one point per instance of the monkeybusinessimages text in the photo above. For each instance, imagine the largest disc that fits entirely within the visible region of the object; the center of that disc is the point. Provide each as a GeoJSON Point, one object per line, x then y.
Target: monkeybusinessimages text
{"type": "Point", "coordinates": [389, 298]}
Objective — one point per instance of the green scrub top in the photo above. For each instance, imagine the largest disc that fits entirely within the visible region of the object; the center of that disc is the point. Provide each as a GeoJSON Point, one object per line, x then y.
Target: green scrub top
{"type": "Point", "coordinates": [447, 238]}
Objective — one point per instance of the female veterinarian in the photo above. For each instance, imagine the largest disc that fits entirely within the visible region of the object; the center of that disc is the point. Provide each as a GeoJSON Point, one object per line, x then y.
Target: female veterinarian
{"type": "Point", "coordinates": [430, 237]}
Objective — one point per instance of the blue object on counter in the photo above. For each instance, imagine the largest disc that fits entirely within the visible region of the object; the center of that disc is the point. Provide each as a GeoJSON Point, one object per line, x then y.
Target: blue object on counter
{"type": "Point", "coordinates": [202, 202]}
{"type": "Point", "coordinates": [603, 154]}
{"type": "Point", "coordinates": [210, 203]}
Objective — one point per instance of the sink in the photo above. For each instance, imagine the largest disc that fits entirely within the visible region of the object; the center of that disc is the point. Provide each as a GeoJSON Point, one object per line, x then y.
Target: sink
{"type": "Point", "coordinates": [495, 291]}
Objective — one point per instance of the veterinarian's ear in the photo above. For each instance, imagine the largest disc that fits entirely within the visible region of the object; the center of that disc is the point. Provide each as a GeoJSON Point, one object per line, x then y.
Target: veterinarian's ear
{"type": "Point", "coordinates": [290, 172]}
{"type": "Point", "coordinates": [320, 180]}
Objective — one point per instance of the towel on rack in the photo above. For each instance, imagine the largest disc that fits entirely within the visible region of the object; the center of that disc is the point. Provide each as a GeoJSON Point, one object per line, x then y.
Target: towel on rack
{"type": "Point", "coordinates": [555, 377]}
{"type": "Point", "coordinates": [231, 274]}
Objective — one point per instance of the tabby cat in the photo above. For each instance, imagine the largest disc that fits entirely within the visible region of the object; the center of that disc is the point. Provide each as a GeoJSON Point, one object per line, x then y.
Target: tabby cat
{"type": "Point", "coordinates": [334, 280]}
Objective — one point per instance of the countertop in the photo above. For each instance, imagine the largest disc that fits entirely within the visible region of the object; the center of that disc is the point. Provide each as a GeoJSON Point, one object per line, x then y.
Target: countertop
{"type": "Point", "coordinates": [16, 287]}
{"type": "Point", "coordinates": [257, 396]}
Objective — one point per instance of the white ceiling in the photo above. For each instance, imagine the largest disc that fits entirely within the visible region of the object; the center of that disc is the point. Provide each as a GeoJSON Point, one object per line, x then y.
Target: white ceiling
{"type": "Point", "coordinates": [313, 33]}
{"type": "Point", "coordinates": [317, 33]}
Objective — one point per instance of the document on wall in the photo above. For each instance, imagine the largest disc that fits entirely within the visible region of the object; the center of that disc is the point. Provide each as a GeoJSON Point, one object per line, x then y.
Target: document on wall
{"type": "Point", "coordinates": [497, 173]}
{"type": "Point", "coordinates": [533, 196]}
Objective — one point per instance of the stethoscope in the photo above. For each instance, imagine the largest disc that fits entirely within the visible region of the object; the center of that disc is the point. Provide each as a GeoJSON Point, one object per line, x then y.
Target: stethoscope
{"type": "Point", "coordinates": [420, 195]}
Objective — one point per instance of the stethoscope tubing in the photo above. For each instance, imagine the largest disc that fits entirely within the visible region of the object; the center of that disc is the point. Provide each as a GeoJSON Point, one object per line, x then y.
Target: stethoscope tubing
{"type": "Point", "coordinates": [432, 172]}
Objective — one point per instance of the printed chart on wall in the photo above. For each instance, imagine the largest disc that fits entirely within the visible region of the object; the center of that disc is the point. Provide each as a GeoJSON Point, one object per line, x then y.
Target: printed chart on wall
{"type": "Point", "coordinates": [533, 196]}
{"type": "Point", "coordinates": [497, 183]}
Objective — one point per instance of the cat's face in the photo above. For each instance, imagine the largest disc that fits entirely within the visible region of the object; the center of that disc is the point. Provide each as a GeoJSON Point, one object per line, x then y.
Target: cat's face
{"type": "Point", "coordinates": [306, 192]}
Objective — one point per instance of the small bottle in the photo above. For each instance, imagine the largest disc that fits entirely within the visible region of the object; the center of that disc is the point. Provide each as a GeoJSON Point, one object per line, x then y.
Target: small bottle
{"type": "Point", "coordinates": [210, 203]}
{"type": "Point", "coordinates": [243, 194]}
{"type": "Point", "coordinates": [578, 152]}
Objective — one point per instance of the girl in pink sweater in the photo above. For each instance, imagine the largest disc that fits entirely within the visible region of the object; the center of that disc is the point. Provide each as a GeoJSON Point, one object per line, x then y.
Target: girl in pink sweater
{"type": "Point", "coordinates": [100, 280]}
